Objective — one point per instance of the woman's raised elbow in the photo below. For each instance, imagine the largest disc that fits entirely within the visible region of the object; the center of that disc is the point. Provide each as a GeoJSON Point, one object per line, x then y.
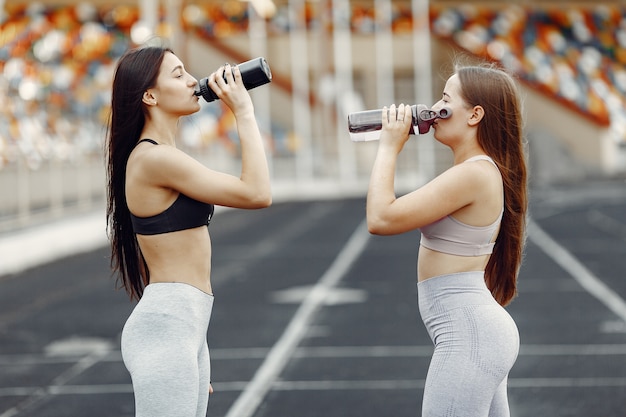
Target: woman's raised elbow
{"type": "Point", "coordinates": [377, 226]}
{"type": "Point", "coordinates": [261, 200]}
{"type": "Point", "coordinates": [267, 201]}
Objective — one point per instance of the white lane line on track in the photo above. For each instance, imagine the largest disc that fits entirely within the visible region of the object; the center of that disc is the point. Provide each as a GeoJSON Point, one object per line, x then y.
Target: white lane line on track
{"type": "Point", "coordinates": [412, 384]}
{"type": "Point", "coordinates": [36, 395]}
{"type": "Point", "coordinates": [319, 385]}
{"type": "Point", "coordinates": [592, 284]}
{"type": "Point", "coordinates": [238, 354]}
{"type": "Point", "coordinates": [267, 374]}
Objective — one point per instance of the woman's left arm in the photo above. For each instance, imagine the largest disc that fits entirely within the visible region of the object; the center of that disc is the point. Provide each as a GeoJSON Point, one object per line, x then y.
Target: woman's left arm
{"type": "Point", "coordinates": [452, 190]}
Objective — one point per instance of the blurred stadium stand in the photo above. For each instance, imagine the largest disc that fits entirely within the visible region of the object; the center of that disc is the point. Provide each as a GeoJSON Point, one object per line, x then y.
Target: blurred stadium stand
{"type": "Point", "coordinates": [57, 60]}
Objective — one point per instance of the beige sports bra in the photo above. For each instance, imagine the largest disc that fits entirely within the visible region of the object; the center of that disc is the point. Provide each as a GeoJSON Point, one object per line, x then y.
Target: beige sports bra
{"type": "Point", "coordinates": [451, 236]}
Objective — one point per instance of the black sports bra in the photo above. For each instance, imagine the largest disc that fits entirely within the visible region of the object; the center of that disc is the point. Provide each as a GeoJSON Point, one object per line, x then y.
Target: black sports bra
{"type": "Point", "coordinates": [184, 213]}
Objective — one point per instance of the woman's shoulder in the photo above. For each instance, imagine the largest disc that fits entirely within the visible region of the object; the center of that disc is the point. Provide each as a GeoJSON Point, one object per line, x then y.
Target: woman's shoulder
{"type": "Point", "coordinates": [153, 164]}
{"type": "Point", "coordinates": [470, 170]}
{"type": "Point", "coordinates": [160, 156]}
{"type": "Point", "coordinates": [476, 168]}
{"type": "Point", "coordinates": [467, 180]}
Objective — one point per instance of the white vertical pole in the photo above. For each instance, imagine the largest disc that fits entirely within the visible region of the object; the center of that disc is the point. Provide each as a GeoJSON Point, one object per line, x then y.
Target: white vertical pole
{"type": "Point", "coordinates": [423, 82]}
{"type": "Point", "coordinates": [257, 32]}
{"type": "Point", "coordinates": [56, 186]}
{"type": "Point", "coordinates": [23, 192]}
{"type": "Point", "coordinates": [300, 96]}
{"type": "Point", "coordinates": [149, 13]}
{"type": "Point", "coordinates": [384, 53]}
{"type": "Point", "coordinates": [173, 16]}
{"type": "Point", "coordinates": [342, 58]}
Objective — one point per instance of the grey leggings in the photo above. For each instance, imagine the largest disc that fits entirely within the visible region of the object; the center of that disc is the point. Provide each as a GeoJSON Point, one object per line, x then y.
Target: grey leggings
{"type": "Point", "coordinates": [164, 348]}
{"type": "Point", "coordinates": [476, 344]}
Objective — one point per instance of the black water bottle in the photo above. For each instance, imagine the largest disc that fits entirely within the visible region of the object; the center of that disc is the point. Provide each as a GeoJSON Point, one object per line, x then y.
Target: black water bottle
{"type": "Point", "coordinates": [254, 73]}
{"type": "Point", "coordinates": [366, 125]}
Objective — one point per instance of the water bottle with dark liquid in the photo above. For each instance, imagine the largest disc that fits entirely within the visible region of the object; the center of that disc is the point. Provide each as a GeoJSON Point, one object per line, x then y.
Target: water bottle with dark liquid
{"type": "Point", "coordinates": [366, 125]}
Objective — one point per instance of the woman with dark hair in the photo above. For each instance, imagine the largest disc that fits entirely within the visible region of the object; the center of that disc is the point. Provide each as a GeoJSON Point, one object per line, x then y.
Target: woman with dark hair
{"type": "Point", "coordinates": [160, 201]}
{"type": "Point", "coordinates": [472, 223]}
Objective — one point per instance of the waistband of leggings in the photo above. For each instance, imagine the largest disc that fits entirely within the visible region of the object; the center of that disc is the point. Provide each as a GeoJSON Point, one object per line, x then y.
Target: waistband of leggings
{"type": "Point", "coordinates": [468, 278]}
{"type": "Point", "coordinates": [454, 290]}
{"type": "Point", "coordinates": [176, 298]}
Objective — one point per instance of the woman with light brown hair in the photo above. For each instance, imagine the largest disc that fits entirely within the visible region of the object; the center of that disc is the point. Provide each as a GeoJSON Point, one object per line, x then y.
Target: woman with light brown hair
{"type": "Point", "coordinates": [472, 223]}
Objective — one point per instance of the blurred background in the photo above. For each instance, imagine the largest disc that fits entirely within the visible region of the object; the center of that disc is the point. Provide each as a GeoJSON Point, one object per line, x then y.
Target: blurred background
{"type": "Point", "coordinates": [328, 58]}
{"type": "Point", "coordinates": [60, 321]}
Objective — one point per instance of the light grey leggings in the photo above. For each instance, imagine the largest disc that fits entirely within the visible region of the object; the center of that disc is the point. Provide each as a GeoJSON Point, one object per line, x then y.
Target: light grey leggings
{"type": "Point", "coordinates": [476, 344]}
{"type": "Point", "coordinates": [164, 348]}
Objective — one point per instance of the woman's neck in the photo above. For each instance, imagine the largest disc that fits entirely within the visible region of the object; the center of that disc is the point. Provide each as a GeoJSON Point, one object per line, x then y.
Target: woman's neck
{"type": "Point", "coordinates": [462, 154]}
{"type": "Point", "coordinates": [162, 131]}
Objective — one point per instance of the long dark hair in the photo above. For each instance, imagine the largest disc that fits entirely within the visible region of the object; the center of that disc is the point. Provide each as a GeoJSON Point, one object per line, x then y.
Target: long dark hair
{"type": "Point", "coordinates": [500, 135]}
{"type": "Point", "coordinates": [136, 72]}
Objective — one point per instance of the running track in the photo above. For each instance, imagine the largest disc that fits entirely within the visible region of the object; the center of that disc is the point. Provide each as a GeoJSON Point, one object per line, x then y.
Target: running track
{"type": "Point", "coordinates": [314, 317]}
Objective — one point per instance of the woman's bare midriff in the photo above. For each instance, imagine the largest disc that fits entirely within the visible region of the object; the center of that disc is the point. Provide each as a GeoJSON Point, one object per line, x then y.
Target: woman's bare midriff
{"type": "Point", "coordinates": [431, 263]}
{"type": "Point", "coordinates": [183, 256]}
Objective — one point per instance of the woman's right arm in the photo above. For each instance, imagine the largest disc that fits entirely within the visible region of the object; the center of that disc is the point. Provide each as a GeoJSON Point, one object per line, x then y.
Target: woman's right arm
{"type": "Point", "coordinates": [254, 170]}
{"type": "Point", "coordinates": [167, 167]}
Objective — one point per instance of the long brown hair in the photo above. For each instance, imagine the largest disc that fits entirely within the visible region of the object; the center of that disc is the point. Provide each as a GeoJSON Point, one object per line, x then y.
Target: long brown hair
{"type": "Point", "coordinates": [500, 135]}
{"type": "Point", "coordinates": [136, 72]}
